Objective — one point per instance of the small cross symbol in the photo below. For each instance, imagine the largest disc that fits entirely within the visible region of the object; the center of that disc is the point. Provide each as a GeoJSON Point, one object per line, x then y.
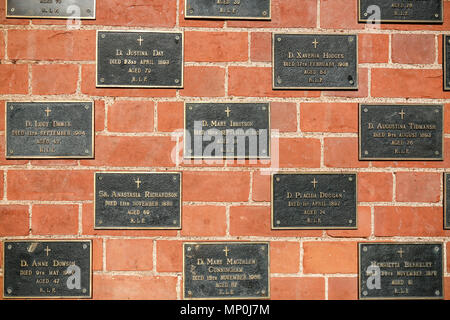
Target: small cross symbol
{"type": "Point", "coordinates": [226, 251]}
{"type": "Point", "coordinates": [227, 110]}
{"type": "Point", "coordinates": [315, 43]}
{"type": "Point", "coordinates": [47, 250]}
{"type": "Point", "coordinates": [402, 114]}
{"type": "Point", "coordinates": [140, 40]}
{"type": "Point", "coordinates": [48, 111]}
{"type": "Point", "coordinates": [314, 182]}
{"type": "Point", "coordinates": [401, 252]}
{"type": "Point", "coordinates": [138, 182]}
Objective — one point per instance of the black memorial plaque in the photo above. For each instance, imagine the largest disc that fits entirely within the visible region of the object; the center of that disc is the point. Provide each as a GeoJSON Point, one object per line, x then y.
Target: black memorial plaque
{"type": "Point", "coordinates": [401, 271]}
{"type": "Point", "coordinates": [51, 9]}
{"type": "Point", "coordinates": [228, 9]}
{"type": "Point", "coordinates": [47, 269]}
{"type": "Point", "coordinates": [49, 130]}
{"type": "Point", "coordinates": [401, 132]}
{"type": "Point", "coordinates": [137, 200]}
{"type": "Point", "coordinates": [227, 130]}
{"type": "Point", "coordinates": [446, 201]}
{"type": "Point", "coordinates": [226, 270]}
{"type": "Point", "coordinates": [314, 201]}
{"type": "Point", "coordinates": [315, 61]}
{"type": "Point", "coordinates": [401, 11]}
{"type": "Point", "coordinates": [446, 62]}
{"type": "Point", "coordinates": [140, 59]}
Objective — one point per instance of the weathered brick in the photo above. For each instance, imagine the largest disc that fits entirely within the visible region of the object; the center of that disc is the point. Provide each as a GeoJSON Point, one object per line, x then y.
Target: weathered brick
{"type": "Point", "coordinates": [297, 288]}
{"type": "Point", "coordinates": [342, 153]}
{"type": "Point", "coordinates": [418, 186]}
{"type": "Point", "coordinates": [373, 48]}
{"type": "Point", "coordinates": [169, 256]}
{"type": "Point", "coordinates": [342, 288]}
{"type": "Point", "coordinates": [14, 220]}
{"type": "Point", "coordinates": [54, 219]}
{"type": "Point", "coordinates": [204, 221]}
{"type": "Point", "coordinates": [329, 117]}
{"type": "Point", "coordinates": [413, 48]}
{"type": "Point", "coordinates": [54, 79]}
{"type": "Point", "coordinates": [129, 254]}
{"type": "Point", "coordinates": [131, 116]}
{"type": "Point", "coordinates": [170, 116]}
{"type": "Point", "coordinates": [330, 257]}
{"type": "Point", "coordinates": [375, 186]}
{"type": "Point", "coordinates": [203, 82]}
{"type": "Point", "coordinates": [284, 257]}
{"type": "Point", "coordinates": [13, 79]}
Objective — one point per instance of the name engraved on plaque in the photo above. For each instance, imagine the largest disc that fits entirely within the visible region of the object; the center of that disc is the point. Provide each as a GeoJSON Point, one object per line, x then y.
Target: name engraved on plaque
{"type": "Point", "coordinates": [227, 130]}
{"type": "Point", "coordinates": [47, 269]}
{"type": "Point", "coordinates": [401, 271]}
{"type": "Point", "coordinates": [56, 9]}
{"type": "Point", "coordinates": [140, 59]}
{"type": "Point", "coordinates": [446, 62]}
{"type": "Point", "coordinates": [401, 132]}
{"type": "Point", "coordinates": [137, 200]}
{"type": "Point", "coordinates": [401, 11]}
{"type": "Point", "coordinates": [313, 61]}
{"type": "Point", "coordinates": [226, 270]}
{"type": "Point", "coordinates": [228, 9]}
{"type": "Point", "coordinates": [314, 201]}
{"type": "Point", "coordinates": [49, 130]}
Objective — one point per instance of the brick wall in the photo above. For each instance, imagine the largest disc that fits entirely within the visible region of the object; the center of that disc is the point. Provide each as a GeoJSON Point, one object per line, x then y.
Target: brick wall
{"type": "Point", "coordinates": [224, 60]}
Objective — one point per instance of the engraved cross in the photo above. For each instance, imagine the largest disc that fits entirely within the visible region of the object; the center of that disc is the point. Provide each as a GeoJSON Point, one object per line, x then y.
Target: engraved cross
{"type": "Point", "coordinates": [226, 251]}
{"type": "Point", "coordinates": [138, 182]}
{"type": "Point", "coordinates": [401, 252]}
{"type": "Point", "coordinates": [314, 182]}
{"type": "Point", "coordinates": [402, 114]}
{"type": "Point", "coordinates": [140, 40]}
{"type": "Point", "coordinates": [227, 110]}
{"type": "Point", "coordinates": [47, 250]}
{"type": "Point", "coordinates": [48, 111]}
{"type": "Point", "coordinates": [315, 43]}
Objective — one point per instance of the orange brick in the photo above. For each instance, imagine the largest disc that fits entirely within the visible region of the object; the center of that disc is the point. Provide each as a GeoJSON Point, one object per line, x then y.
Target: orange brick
{"type": "Point", "coordinates": [99, 115]}
{"type": "Point", "coordinates": [330, 257]}
{"type": "Point", "coordinates": [342, 153]}
{"type": "Point", "coordinates": [169, 257]}
{"type": "Point", "coordinates": [170, 116]}
{"type": "Point", "coordinates": [51, 185]}
{"type": "Point", "coordinates": [299, 152]}
{"type": "Point", "coordinates": [97, 254]}
{"type": "Point", "coordinates": [375, 186]}
{"type": "Point", "coordinates": [343, 288]}
{"type": "Point", "coordinates": [54, 219]}
{"type": "Point", "coordinates": [447, 288]}
{"type": "Point", "coordinates": [364, 224]}
{"type": "Point", "coordinates": [108, 287]}
{"type": "Point", "coordinates": [283, 116]}
{"type": "Point", "coordinates": [13, 78]}
{"type": "Point", "coordinates": [413, 48]}
{"type": "Point", "coordinates": [261, 186]}
{"type": "Point", "coordinates": [373, 48]}
{"type": "Point", "coordinates": [204, 221]}
{"type": "Point", "coordinates": [339, 14]}
{"type": "Point", "coordinates": [329, 117]}
{"type": "Point", "coordinates": [2, 45]}
{"type": "Point", "coordinates": [216, 186]}
{"type": "Point", "coordinates": [284, 257]}
{"type": "Point", "coordinates": [216, 46]}
{"type": "Point", "coordinates": [261, 47]}
{"type": "Point", "coordinates": [295, 288]}
{"type": "Point", "coordinates": [2, 115]}
{"type": "Point", "coordinates": [418, 186]}
{"type": "Point", "coordinates": [204, 82]}
{"type": "Point", "coordinates": [54, 79]}
{"type": "Point", "coordinates": [14, 220]}
{"type": "Point", "coordinates": [131, 116]}
{"type": "Point", "coordinates": [129, 254]}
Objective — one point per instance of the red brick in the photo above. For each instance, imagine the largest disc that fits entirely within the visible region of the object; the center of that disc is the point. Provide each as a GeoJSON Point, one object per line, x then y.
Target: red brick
{"type": "Point", "coordinates": [169, 256]}
{"type": "Point", "coordinates": [342, 288]}
{"type": "Point", "coordinates": [362, 92]}
{"type": "Point", "coordinates": [364, 226]}
{"type": "Point", "coordinates": [261, 47]}
{"type": "Point", "coordinates": [216, 186]}
{"type": "Point", "coordinates": [13, 78]}
{"type": "Point", "coordinates": [204, 82]}
{"type": "Point", "coordinates": [373, 48]}
{"type": "Point", "coordinates": [54, 219]}
{"type": "Point", "coordinates": [216, 46]}
{"type": "Point", "coordinates": [2, 115]}
{"type": "Point", "coordinates": [204, 221]}
{"type": "Point", "coordinates": [329, 117]}
{"type": "Point", "coordinates": [2, 45]}
{"type": "Point", "coordinates": [261, 186]}
{"type": "Point", "coordinates": [255, 221]}
{"type": "Point", "coordinates": [299, 152]}
{"type": "Point", "coordinates": [342, 153]}
{"type": "Point", "coordinates": [99, 115]}
{"type": "Point", "coordinates": [1, 184]}
{"type": "Point", "coordinates": [446, 286]}
{"type": "Point", "coordinates": [129, 255]}
{"type": "Point", "coordinates": [14, 220]}
{"type": "Point", "coordinates": [51, 185]}
{"type": "Point", "coordinates": [418, 186]}
{"type": "Point", "coordinates": [413, 48]}
{"type": "Point", "coordinates": [330, 257]}
{"type": "Point", "coordinates": [409, 221]}
{"type": "Point", "coordinates": [54, 79]}
{"type": "Point", "coordinates": [119, 287]}
{"type": "Point", "coordinates": [375, 186]}
{"type": "Point", "coordinates": [97, 254]}
{"type": "Point", "coordinates": [52, 162]}
{"type": "Point", "coordinates": [51, 45]}
{"type": "Point", "coordinates": [339, 14]}
{"type": "Point", "coordinates": [170, 116]}
{"type": "Point", "coordinates": [295, 288]}
{"type": "Point", "coordinates": [284, 257]}
{"type": "Point", "coordinates": [133, 151]}
{"type": "Point", "coordinates": [131, 116]}
{"type": "Point", "coordinates": [283, 116]}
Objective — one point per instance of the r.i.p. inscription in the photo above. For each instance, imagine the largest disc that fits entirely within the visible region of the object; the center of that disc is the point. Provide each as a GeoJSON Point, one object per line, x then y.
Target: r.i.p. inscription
{"type": "Point", "coordinates": [140, 59]}
{"type": "Point", "coordinates": [51, 9]}
{"type": "Point", "coordinates": [228, 9]}
{"type": "Point", "coordinates": [226, 270]}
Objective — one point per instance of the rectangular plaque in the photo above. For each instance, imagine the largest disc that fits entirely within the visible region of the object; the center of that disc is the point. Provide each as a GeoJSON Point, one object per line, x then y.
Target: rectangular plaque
{"type": "Point", "coordinates": [227, 130]}
{"type": "Point", "coordinates": [401, 132]}
{"type": "Point", "coordinates": [228, 9]}
{"type": "Point", "coordinates": [314, 201]}
{"type": "Point", "coordinates": [226, 270]}
{"type": "Point", "coordinates": [315, 61]}
{"type": "Point", "coordinates": [51, 9]}
{"type": "Point", "coordinates": [49, 130]}
{"type": "Point", "coordinates": [401, 11]}
{"type": "Point", "coordinates": [137, 200]}
{"type": "Point", "coordinates": [446, 62]}
{"type": "Point", "coordinates": [140, 59]}
{"type": "Point", "coordinates": [446, 201]}
{"type": "Point", "coordinates": [401, 271]}
{"type": "Point", "coordinates": [47, 269]}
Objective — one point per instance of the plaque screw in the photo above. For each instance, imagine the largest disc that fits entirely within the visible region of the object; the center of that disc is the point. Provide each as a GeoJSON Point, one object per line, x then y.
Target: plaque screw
{"type": "Point", "coordinates": [102, 79]}
{"type": "Point", "coordinates": [103, 36]}
{"type": "Point", "coordinates": [190, 293]}
{"type": "Point", "coordinates": [437, 292]}
{"type": "Point", "coordinates": [263, 248]}
{"type": "Point", "coordinates": [177, 38]}
{"type": "Point", "coordinates": [86, 107]}
{"type": "Point", "coordinates": [278, 222]}
{"type": "Point", "coordinates": [177, 80]}
{"type": "Point", "coordinates": [351, 82]}
{"type": "Point", "coordinates": [365, 293]}
{"type": "Point", "coordinates": [264, 108]}
{"type": "Point", "coordinates": [174, 221]}
{"type": "Point", "coordinates": [9, 290]}
{"type": "Point", "coordinates": [88, 10]}
{"type": "Point", "coordinates": [436, 249]}
{"type": "Point", "coordinates": [100, 221]}
{"type": "Point", "coordinates": [437, 15]}
{"type": "Point", "coordinates": [11, 107]}
{"type": "Point", "coordinates": [84, 290]}
{"type": "Point", "coordinates": [11, 151]}
{"type": "Point", "coordinates": [366, 152]}
{"type": "Point", "coordinates": [190, 108]}
{"type": "Point", "coordinates": [100, 178]}
{"type": "Point", "coordinates": [350, 221]}
{"type": "Point", "coordinates": [278, 179]}
{"type": "Point", "coordinates": [350, 179]}
{"type": "Point", "coordinates": [365, 249]}
{"type": "Point", "coordinates": [264, 13]}
{"type": "Point", "coordinates": [436, 110]}
{"type": "Point", "coordinates": [86, 151]}
{"type": "Point", "coordinates": [84, 246]}
{"type": "Point", "coordinates": [189, 248]}
{"type": "Point", "coordinates": [191, 11]}
{"type": "Point", "coordinates": [263, 291]}
{"type": "Point", "coordinates": [9, 247]}
{"type": "Point", "coordinates": [278, 39]}
{"type": "Point", "coordinates": [350, 39]}
{"type": "Point", "coordinates": [436, 153]}
{"type": "Point", "coordinates": [365, 14]}
{"type": "Point", "coordinates": [264, 151]}
{"type": "Point", "coordinates": [366, 110]}
{"type": "Point", "coordinates": [279, 80]}
{"type": "Point", "coordinates": [13, 9]}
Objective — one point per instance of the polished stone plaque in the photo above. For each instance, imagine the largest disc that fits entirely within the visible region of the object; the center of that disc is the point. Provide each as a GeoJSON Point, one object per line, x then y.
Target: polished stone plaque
{"type": "Point", "coordinates": [446, 62]}
{"type": "Point", "coordinates": [446, 201]}
{"type": "Point", "coordinates": [314, 201]}
{"type": "Point", "coordinates": [137, 200]}
{"type": "Point", "coordinates": [401, 132]}
{"type": "Point", "coordinates": [315, 61]}
{"type": "Point", "coordinates": [140, 59]}
{"type": "Point", "coordinates": [49, 130]}
{"type": "Point", "coordinates": [56, 9]}
{"type": "Point", "coordinates": [401, 271]}
{"type": "Point", "coordinates": [401, 11]}
{"type": "Point", "coordinates": [226, 270]}
{"type": "Point", "coordinates": [47, 269]}
{"type": "Point", "coordinates": [227, 130]}
{"type": "Point", "coordinates": [228, 9]}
